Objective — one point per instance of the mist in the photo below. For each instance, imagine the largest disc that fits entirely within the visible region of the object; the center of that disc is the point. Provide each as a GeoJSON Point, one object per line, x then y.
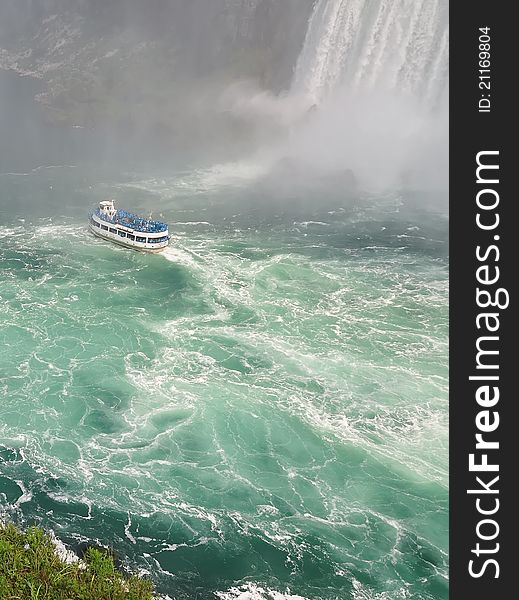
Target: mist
{"type": "Point", "coordinates": [325, 86]}
{"type": "Point", "coordinates": [368, 96]}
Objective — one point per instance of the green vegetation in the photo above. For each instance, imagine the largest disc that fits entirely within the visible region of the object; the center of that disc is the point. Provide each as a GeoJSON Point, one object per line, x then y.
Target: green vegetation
{"type": "Point", "coordinates": [30, 569]}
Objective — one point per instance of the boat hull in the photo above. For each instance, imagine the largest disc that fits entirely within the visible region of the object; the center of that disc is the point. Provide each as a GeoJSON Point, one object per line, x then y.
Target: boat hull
{"type": "Point", "coordinates": [116, 239]}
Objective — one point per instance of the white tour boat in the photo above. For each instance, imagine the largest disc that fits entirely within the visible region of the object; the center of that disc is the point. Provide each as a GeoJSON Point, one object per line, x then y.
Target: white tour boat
{"type": "Point", "coordinates": [127, 229]}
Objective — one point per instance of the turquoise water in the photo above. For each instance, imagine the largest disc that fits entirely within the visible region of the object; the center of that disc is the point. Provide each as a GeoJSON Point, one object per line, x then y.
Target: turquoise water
{"type": "Point", "coordinates": [258, 413]}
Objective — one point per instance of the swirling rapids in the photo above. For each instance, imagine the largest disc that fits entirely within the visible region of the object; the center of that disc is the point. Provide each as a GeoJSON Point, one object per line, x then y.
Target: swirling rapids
{"type": "Point", "coordinates": [259, 413]}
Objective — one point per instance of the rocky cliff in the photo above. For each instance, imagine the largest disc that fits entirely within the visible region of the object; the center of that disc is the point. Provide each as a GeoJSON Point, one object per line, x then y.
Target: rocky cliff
{"type": "Point", "coordinates": [159, 61]}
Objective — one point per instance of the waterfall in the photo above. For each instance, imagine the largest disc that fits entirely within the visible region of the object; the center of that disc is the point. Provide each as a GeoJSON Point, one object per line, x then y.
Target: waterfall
{"type": "Point", "coordinates": [395, 45]}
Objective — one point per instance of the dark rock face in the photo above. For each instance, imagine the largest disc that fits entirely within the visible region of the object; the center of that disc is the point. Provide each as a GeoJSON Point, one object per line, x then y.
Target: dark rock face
{"type": "Point", "coordinates": [111, 60]}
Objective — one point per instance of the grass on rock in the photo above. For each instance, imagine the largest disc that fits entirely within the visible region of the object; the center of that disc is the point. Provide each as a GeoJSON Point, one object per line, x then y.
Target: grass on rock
{"type": "Point", "coordinates": [30, 569]}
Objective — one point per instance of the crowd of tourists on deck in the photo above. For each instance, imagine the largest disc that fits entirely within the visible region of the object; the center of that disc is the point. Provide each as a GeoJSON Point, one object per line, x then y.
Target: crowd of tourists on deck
{"type": "Point", "coordinates": [127, 219]}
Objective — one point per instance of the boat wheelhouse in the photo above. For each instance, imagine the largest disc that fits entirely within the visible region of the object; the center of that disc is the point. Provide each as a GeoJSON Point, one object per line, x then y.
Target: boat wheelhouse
{"type": "Point", "coordinates": [127, 229]}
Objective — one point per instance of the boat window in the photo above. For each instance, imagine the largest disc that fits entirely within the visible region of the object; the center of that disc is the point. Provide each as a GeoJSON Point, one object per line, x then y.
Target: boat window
{"type": "Point", "coordinates": [104, 227]}
{"type": "Point", "coordinates": [141, 239]}
{"type": "Point", "coordinates": [112, 230]}
{"type": "Point", "coordinates": [96, 224]}
{"type": "Point", "coordinates": [131, 237]}
{"type": "Point", "coordinates": [122, 233]}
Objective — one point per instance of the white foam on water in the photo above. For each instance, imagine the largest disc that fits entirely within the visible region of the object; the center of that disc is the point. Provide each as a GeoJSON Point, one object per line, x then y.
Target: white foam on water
{"type": "Point", "coordinates": [62, 551]}
{"type": "Point", "coordinates": [26, 495]}
{"type": "Point", "coordinates": [194, 223]}
{"type": "Point", "coordinates": [253, 591]}
{"type": "Point", "coordinates": [204, 180]}
{"type": "Point", "coordinates": [231, 173]}
{"type": "Point", "coordinates": [181, 255]}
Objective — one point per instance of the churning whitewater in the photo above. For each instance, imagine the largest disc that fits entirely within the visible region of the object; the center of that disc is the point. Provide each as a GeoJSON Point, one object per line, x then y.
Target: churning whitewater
{"type": "Point", "coordinates": [261, 412]}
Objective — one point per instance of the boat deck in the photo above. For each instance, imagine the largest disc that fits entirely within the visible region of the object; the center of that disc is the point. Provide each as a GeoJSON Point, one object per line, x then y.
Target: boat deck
{"type": "Point", "coordinates": [139, 224]}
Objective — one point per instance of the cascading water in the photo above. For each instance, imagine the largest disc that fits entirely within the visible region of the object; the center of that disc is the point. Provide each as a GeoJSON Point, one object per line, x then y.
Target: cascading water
{"type": "Point", "coordinates": [396, 45]}
{"type": "Point", "coordinates": [381, 69]}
